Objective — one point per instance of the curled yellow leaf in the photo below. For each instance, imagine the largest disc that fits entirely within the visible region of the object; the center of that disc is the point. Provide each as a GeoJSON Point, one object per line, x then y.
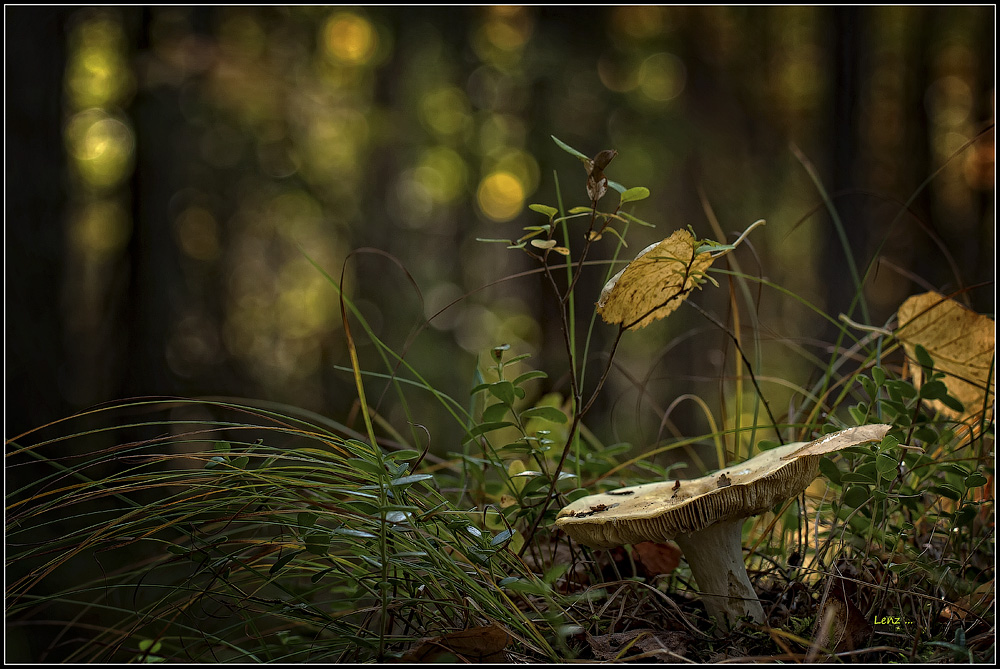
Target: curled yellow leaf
{"type": "Point", "coordinates": [653, 285]}
{"type": "Point", "coordinates": [962, 344]}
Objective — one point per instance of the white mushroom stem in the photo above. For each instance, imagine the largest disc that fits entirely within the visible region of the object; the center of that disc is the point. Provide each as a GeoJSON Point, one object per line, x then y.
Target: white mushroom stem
{"type": "Point", "coordinates": [715, 556]}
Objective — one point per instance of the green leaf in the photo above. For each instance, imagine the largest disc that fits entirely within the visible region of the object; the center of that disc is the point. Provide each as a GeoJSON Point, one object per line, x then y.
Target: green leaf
{"type": "Point", "coordinates": [544, 209]}
{"type": "Point", "coordinates": [856, 477]}
{"type": "Point", "coordinates": [412, 478]}
{"type": "Point", "coordinates": [946, 490]}
{"type": "Point", "coordinates": [493, 241]}
{"type": "Point", "coordinates": [367, 466]}
{"type": "Point", "coordinates": [545, 413]}
{"type": "Point", "coordinates": [149, 646]}
{"type": "Point", "coordinates": [901, 389]}
{"type": "Point", "coordinates": [502, 537]}
{"type": "Point", "coordinates": [709, 247]}
{"type": "Point", "coordinates": [924, 358]}
{"type": "Point", "coordinates": [886, 465]}
{"type": "Point", "coordinates": [280, 563]}
{"type": "Point", "coordinates": [221, 446]}
{"type": "Point", "coordinates": [405, 454]}
{"type": "Point", "coordinates": [952, 403]}
{"type": "Point", "coordinates": [567, 148]}
{"type": "Point", "coordinates": [528, 376]}
{"type": "Point", "coordinates": [483, 428]}
{"type": "Point", "coordinates": [889, 442]}
{"type": "Point", "coordinates": [580, 210]}
{"type": "Point", "coordinates": [933, 390]}
{"type": "Point", "coordinates": [638, 221]}
{"type": "Point", "coordinates": [879, 375]}
{"type": "Point", "coordinates": [617, 186]}
{"type": "Point", "coordinates": [830, 470]}
{"type": "Point", "coordinates": [503, 391]}
{"type": "Point", "coordinates": [856, 496]}
{"type": "Point", "coordinates": [635, 194]}
{"type": "Point", "coordinates": [975, 480]}
{"type": "Point", "coordinates": [215, 461]}
{"type": "Point", "coordinates": [317, 543]}
{"type": "Point", "coordinates": [965, 515]}
{"type": "Point", "coordinates": [868, 385]}
{"type": "Point", "coordinates": [495, 413]}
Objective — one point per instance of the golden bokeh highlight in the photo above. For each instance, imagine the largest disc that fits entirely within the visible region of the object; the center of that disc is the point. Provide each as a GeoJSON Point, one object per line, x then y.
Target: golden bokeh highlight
{"type": "Point", "coordinates": [349, 38]}
{"type": "Point", "coordinates": [100, 229]}
{"type": "Point", "coordinates": [638, 21]}
{"type": "Point", "coordinates": [662, 77]}
{"type": "Point", "coordinates": [97, 72]}
{"type": "Point", "coordinates": [442, 174]}
{"type": "Point", "coordinates": [508, 27]}
{"type": "Point", "coordinates": [305, 302]}
{"type": "Point", "coordinates": [519, 163]}
{"type": "Point", "coordinates": [500, 196]}
{"type": "Point", "coordinates": [445, 111]}
{"type": "Point", "coordinates": [102, 146]}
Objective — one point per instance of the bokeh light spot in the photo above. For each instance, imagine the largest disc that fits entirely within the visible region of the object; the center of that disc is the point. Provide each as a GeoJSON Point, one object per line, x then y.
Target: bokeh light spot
{"type": "Point", "coordinates": [445, 110]}
{"type": "Point", "coordinates": [442, 173]}
{"type": "Point", "coordinates": [101, 228]}
{"type": "Point", "coordinates": [662, 76]}
{"type": "Point", "coordinates": [349, 38]}
{"type": "Point", "coordinates": [638, 21]}
{"type": "Point", "coordinates": [103, 147]}
{"type": "Point", "coordinates": [500, 196]}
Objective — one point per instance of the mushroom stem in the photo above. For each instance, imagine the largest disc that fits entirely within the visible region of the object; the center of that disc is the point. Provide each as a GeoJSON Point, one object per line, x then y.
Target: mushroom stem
{"type": "Point", "coordinates": [715, 556]}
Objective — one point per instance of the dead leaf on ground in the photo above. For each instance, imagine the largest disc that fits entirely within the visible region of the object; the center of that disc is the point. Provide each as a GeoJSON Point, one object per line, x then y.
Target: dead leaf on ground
{"type": "Point", "coordinates": [842, 626]}
{"type": "Point", "coordinates": [657, 558]}
{"type": "Point", "coordinates": [650, 644]}
{"type": "Point", "coordinates": [835, 441]}
{"type": "Point", "coordinates": [653, 285]}
{"type": "Point", "coordinates": [962, 344]}
{"type": "Point", "coordinates": [475, 644]}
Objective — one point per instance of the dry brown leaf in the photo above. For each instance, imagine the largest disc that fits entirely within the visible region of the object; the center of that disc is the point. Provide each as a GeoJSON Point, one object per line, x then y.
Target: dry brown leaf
{"type": "Point", "coordinates": [476, 644]}
{"type": "Point", "coordinates": [962, 344]}
{"type": "Point", "coordinates": [835, 441]}
{"type": "Point", "coordinates": [842, 626]}
{"type": "Point", "coordinates": [657, 558]}
{"type": "Point", "coordinates": [653, 285]}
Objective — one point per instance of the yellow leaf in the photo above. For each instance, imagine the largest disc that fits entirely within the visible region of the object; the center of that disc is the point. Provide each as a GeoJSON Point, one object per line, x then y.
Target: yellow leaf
{"type": "Point", "coordinates": [962, 344]}
{"type": "Point", "coordinates": [653, 285]}
{"type": "Point", "coordinates": [515, 468]}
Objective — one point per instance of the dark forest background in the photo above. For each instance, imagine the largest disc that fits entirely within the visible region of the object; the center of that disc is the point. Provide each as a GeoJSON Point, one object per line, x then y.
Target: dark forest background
{"type": "Point", "coordinates": [169, 170]}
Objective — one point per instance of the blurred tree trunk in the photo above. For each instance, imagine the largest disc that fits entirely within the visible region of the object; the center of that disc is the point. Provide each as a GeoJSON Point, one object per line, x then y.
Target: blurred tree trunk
{"type": "Point", "coordinates": [850, 46]}
{"type": "Point", "coordinates": [35, 205]}
{"type": "Point", "coordinates": [155, 289]}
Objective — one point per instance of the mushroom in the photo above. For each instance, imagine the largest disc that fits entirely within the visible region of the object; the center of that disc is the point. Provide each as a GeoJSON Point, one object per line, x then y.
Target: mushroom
{"type": "Point", "coordinates": [705, 516]}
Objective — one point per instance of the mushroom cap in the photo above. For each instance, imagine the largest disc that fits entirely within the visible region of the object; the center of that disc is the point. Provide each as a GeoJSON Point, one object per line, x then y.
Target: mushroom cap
{"type": "Point", "coordinates": [661, 511]}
